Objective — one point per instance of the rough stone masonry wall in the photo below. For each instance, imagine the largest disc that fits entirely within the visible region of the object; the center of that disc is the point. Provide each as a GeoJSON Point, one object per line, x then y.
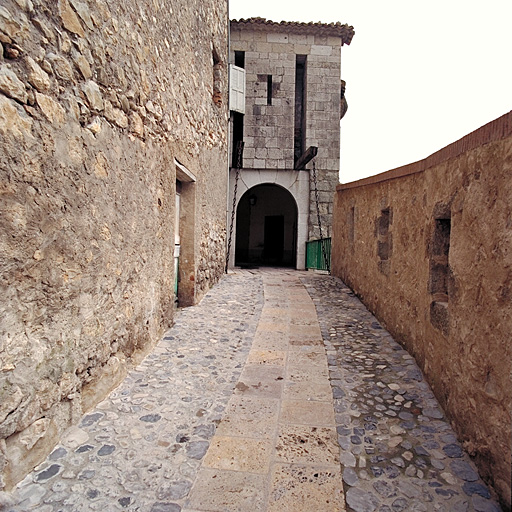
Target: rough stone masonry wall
{"type": "Point", "coordinates": [428, 248]}
{"type": "Point", "coordinates": [97, 99]}
{"type": "Point", "coordinates": [269, 129]}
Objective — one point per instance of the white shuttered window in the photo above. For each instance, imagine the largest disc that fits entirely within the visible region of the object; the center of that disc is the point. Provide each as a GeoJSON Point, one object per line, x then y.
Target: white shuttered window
{"type": "Point", "coordinates": [237, 89]}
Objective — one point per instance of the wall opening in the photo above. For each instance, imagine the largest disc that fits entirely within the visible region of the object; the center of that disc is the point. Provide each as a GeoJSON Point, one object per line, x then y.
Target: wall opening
{"type": "Point", "coordinates": [184, 236]}
{"type": "Point", "coordinates": [299, 142]}
{"type": "Point", "coordinates": [266, 227]}
{"type": "Point", "coordinates": [351, 223]}
{"type": "Point", "coordinates": [238, 136]}
{"type": "Point", "coordinates": [269, 89]}
{"type": "Point", "coordinates": [240, 59]}
{"type": "Point", "coordinates": [177, 237]}
{"type": "Point", "coordinates": [440, 274]}
{"type": "Point", "coordinates": [217, 78]}
{"type": "Point", "coordinates": [384, 240]}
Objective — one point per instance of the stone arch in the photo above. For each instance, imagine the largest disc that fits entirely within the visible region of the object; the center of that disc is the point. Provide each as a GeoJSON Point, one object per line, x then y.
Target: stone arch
{"type": "Point", "coordinates": [291, 186]}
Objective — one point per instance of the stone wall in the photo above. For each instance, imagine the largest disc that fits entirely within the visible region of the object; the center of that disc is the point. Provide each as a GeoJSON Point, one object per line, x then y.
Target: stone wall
{"type": "Point", "coordinates": [427, 247]}
{"type": "Point", "coordinates": [98, 100]}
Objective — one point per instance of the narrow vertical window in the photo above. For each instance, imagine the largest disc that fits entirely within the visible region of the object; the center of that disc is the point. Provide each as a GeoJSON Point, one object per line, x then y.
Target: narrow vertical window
{"type": "Point", "coordinates": [384, 240]}
{"type": "Point", "coordinates": [217, 78]}
{"type": "Point", "coordinates": [269, 89]}
{"type": "Point", "coordinates": [238, 136]}
{"type": "Point", "coordinates": [240, 59]}
{"type": "Point", "coordinates": [300, 107]}
{"type": "Point", "coordinates": [440, 274]}
{"type": "Point", "coordinates": [352, 224]}
{"type": "Point", "coordinates": [439, 268]}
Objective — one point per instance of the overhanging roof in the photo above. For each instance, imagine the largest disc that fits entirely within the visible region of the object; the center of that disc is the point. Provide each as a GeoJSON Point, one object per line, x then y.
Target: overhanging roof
{"type": "Point", "coordinates": [345, 32]}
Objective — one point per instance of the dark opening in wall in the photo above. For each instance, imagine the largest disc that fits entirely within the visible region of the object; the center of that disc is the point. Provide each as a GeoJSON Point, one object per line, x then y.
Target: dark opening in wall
{"type": "Point", "coordinates": [384, 240]}
{"type": "Point", "coordinates": [238, 136]}
{"type": "Point", "coordinates": [299, 142]}
{"type": "Point", "coordinates": [440, 274]}
{"type": "Point", "coordinates": [269, 89]}
{"type": "Point", "coordinates": [439, 268]}
{"type": "Point", "coordinates": [240, 59]}
{"type": "Point", "coordinates": [351, 224]}
{"type": "Point", "coordinates": [217, 78]}
{"type": "Point", "coordinates": [384, 221]}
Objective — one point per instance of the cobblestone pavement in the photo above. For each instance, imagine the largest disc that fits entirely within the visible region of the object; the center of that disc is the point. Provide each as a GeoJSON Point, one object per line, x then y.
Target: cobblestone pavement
{"type": "Point", "coordinates": [398, 451]}
{"type": "Point", "coordinates": [141, 448]}
{"type": "Point", "coordinates": [222, 416]}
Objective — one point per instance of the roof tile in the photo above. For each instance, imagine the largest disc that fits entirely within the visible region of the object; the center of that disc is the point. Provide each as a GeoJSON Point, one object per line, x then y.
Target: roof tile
{"type": "Point", "coordinates": [344, 31]}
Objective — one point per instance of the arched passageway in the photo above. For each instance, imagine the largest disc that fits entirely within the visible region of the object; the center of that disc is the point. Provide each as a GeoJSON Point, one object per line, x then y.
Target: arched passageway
{"type": "Point", "coordinates": [266, 231]}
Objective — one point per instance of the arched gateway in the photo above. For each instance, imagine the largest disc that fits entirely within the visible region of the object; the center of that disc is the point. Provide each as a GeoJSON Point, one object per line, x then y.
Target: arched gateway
{"type": "Point", "coordinates": [266, 227]}
{"type": "Point", "coordinates": [271, 219]}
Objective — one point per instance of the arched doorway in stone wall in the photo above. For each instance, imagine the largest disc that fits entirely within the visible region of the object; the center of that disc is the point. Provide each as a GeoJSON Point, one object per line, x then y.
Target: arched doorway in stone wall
{"type": "Point", "coordinates": [266, 232]}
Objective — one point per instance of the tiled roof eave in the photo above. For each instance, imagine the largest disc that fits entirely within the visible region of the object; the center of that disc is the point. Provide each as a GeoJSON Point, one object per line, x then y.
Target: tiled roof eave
{"type": "Point", "coordinates": [345, 32]}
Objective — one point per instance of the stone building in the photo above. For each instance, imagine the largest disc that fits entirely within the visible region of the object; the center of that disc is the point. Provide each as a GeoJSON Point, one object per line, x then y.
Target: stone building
{"type": "Point", "coordinates": [287, 96]}
{"type": "Point", "coordinates": [112, 114]}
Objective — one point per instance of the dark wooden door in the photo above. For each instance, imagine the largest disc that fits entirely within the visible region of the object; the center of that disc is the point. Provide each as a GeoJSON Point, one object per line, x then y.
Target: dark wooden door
{"type": "Point", "coordinates": [273, 239]}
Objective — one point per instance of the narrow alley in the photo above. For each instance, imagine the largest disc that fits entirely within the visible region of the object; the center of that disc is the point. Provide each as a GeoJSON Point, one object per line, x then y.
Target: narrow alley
{"type": "Point", "coordinates": [279, 391]}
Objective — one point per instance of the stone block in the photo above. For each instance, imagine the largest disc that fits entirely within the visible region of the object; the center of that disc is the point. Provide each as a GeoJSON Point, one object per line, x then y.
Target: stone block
{"type": "Point", "coordinates": [259, 35]}
{"type": "Point", "coordinates": [275, 153]}
{"type": "Point", "coordinates": [11, 85]}
{"type": "Point", "coordinates": [13, 120]}
{"type": "Point", "coordinates": [263, 47]}
{"type": "Point", "coordinates": [15, 27]}
{"type": "Point", "coordinates": [83, 65]}
{"type": "Point", "coordinates": [298, 39]}
{"type": "Point", "coordinates": [61, 67]}
{"type": "Point", "coordinates": [261, 152]}
{"type": "Point", "coordinates": [321, 50]}
{"type": "Point", "coordinates": [83, 12]}
{"type": "Point", "coordinates": [22, 458]}
{"type": "Point", "coordinates": [37, 76]}
{"type": "Point", "coordinates": [69, 18]}
{"type": "Point", "coordinates": [249, 152]}
{"type": "Point", "coordinates": [281, 48]}
{"type": "Point", "coordinates": [273, 37]}
{"type": "Point", "coordinates": [53, 111]}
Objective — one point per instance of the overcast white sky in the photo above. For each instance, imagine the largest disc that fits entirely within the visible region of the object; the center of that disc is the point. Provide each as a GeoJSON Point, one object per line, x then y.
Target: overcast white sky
{"type": "Point", "coordinates": [420, 75]}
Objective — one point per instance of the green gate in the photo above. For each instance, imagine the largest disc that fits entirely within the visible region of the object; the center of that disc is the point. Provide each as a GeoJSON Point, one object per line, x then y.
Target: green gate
{"type": "Point", "coordinates": [315, 258]}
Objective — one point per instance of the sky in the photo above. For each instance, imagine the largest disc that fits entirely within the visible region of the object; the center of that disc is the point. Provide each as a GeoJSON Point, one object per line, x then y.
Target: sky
{"type": "Point", "coordinates": [420, 75]}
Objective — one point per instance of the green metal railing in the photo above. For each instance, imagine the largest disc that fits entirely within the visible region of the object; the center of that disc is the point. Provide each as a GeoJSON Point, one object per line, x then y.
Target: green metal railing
{"type": "Point", "coordinates": [315, 254]}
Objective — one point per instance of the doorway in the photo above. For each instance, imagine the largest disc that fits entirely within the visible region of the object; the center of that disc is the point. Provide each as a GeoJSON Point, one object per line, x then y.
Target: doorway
{"type": "Point", "coordinates": [184, 236]}
{"type": "Point", "coordinates": [266, 232]}
{"type": "Point", "coordinates": [177, 239]}
{"type": "Point", "coordinates": [273, 239]}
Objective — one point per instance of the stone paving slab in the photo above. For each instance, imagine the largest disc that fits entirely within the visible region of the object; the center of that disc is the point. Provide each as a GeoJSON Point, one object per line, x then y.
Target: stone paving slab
{"type": "Point", "coordinates": [296, 451]}
{"type": "Point", "coordinates": [280, 391]}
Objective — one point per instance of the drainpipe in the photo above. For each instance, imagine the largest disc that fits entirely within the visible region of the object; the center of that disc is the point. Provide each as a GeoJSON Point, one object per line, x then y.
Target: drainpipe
{"type": "Point", "coordinates": [229, 137]}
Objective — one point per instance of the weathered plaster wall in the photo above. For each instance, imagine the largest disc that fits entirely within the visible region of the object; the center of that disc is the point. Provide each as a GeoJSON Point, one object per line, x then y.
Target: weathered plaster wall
{"type": "Point", "coordinates": [97, 100]}
{"type": "Point", "coordinates": [450, 307]}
